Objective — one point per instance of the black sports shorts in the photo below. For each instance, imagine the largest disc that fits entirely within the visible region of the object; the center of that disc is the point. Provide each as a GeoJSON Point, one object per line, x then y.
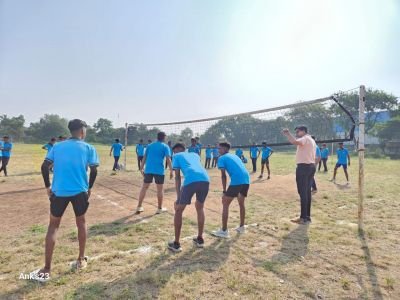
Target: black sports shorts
{"type": "Point", "coordinates": [80, 204]}
{"type": "Point", "coordinates": [235, 190]}
{"type": "Point", "coordinates": [158, 179]}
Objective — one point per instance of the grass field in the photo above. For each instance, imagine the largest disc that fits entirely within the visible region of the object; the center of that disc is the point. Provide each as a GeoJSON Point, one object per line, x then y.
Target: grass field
{"type": "Point", "coordinates": [274, 259]}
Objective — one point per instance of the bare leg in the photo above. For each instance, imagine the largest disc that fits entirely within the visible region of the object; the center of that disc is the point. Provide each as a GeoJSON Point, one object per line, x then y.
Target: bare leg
{"type": "Point", "coordinates": [269, 172]}
{"type": "Point", "coordinates": [226, 201]}
{"type": "Point", "coordinates": [160, 194]}
{"type": "Point", "coordinates": [262, 169]}
{"type": "Point", "coordinates": [142, 193]}
{"type": "Point", "coordinates": [346, 174]}
{"type": "Point", "coordinates": [200, 218]}
{"type": "Point", "coordinates": [51, 235]}
{"type": "Point", "coordinates": [82, 231]}
{"type": "Point", "coordinates": [179, 208]}
{"type": "Point", "coordinates": [242, 208]}
{"type": "Point", "coordinates": [334, 173]}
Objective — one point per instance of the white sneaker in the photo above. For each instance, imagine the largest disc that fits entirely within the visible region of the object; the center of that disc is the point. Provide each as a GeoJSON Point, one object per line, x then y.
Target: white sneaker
{"type": "Point", "coordinates": [241, 229]}
{"type": "Point", "coordinates": [221, 233]}
{"type": "Point", "coordinates": [161, 210]}
{"type": "Point", "coordinates": [140, 209]}
{"type": "Point", "coordinates": [333, 180]}
{"type": "Point", "coordinates": [348, 183]}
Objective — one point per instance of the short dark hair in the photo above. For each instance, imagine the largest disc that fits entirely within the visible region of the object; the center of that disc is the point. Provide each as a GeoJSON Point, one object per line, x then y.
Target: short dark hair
{"type": "Point", "coordinates": [6, 137]}
{"type": "Point", "coordinates": [161, 135]}
{"type": "Point", "coordinates": [264, 143]}
{"type": "Point", "coordinates": [53, 139]}
{"type": "Point", "coordinates": [341, 143]}
{"type": "Point", "coordinates": [141, 140]}
{"type": "Point", "coordinates": [76, 124]}
{"type": "Point", "coordinates": [179, 145]}
{"type": "Point", "coordinates": [117, 140]}
{"type": "Point", "coordinates": [302, 128]}
{"type": "Point", "coordinates": [225, 145]}
{"type": "Point", "coordinates": [313, 137]}
{"type": "Point", "coordinates": [192, 139]}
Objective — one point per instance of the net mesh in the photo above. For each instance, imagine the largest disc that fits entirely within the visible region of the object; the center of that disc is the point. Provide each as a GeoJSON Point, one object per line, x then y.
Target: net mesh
{"type": "Point", "coordinates": [326, 118]}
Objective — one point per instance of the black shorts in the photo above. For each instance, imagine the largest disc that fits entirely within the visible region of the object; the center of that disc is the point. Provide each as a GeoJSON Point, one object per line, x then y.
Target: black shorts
{"type": "Point", "coordinates": [265, 161]}
{"type": "Point", "coordinates": [199, 188]}
{"type": "Point", "coordinates": [234, 190]}
{"type": "Point", "coordinates": [158, 179]}
{"type": "Point", "coordinates": [80, 204]}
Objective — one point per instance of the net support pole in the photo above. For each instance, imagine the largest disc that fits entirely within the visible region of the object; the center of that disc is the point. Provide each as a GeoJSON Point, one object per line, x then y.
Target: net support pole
{"type": "Point", "coordinates": [361, 152]}
{"type": "Point", "coordinates": [126, 144]}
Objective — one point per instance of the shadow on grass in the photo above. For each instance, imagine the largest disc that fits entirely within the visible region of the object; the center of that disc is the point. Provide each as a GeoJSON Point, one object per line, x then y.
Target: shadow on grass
{"type": "Point", "coordinates": [148, 282]}
{"type": "Point", "coordinates": [370, 266]}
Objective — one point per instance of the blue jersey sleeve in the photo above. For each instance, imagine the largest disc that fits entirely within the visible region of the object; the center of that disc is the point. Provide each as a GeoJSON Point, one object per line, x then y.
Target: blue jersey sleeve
{"type": "Point", "coordinates": [176, 163]}
{"type": "Point", "coordinates": [50, 154]}
{"type": "Point", "coordinates": [221, 164]}
{"type": "Point", "coordinates": [93, 159]}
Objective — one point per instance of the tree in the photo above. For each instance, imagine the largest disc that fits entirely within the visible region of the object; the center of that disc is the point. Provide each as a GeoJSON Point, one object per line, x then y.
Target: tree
{"type": "Point", "coordinates": [48, 126]}
{"type": "Point", "coordinates": [376, 100]}
{"type": "Point", "coordinates": [389, 130]}
{"type": "Point", "coordinates": [13, 127]}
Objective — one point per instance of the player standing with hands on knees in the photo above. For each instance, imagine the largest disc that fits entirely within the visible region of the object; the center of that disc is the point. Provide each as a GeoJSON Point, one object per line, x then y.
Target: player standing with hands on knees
{"type": "Point", "coordinates": [238, 187]}
{"type": "Point", "coordinates": [196, 182]}
{"type": "Point", "coordinates": [305, 160]}
{"type": "Point", "coordinates": [70, 160]}
{"type": "Point", "coordinates": [152, 167]}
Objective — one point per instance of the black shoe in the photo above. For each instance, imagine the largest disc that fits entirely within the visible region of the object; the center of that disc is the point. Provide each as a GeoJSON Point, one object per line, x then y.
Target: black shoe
{"type": "Point", "coordinates": [175, 247]}
{"type": "Point", "coordinates": [199, 242]}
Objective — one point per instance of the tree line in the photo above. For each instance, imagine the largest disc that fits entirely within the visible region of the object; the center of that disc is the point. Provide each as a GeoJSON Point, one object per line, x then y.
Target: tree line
{"type": "Point", "coordinates": [323, 121]}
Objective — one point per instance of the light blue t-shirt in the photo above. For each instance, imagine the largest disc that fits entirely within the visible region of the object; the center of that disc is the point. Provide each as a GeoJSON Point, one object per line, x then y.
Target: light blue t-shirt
{"type": "Point", "coordinates": [71, 160]}
{"type": "Point", "coordinates": [194, 149]}
{"type": "Point", "coordinates": [325, 153]}
{"type": "Point", "coordinates": [7, 146]}
{"type": "Point", "coordinates": [215, 152]}
{"type": "Point", "coordinates": [254, 151]}
{"type": "Point", "coordinates": [317, 152]}
{"type": "Point", "coordinates": [190, 165]}
{"type": "Point", "coordinates": [235, 168]}
{"type": "Point", "coordinates": [155, 153]}
{"type": "Point", "coordinates": [140, 148]}
{"type": "Point", "coordinates": [208, 152]}
{"type": "Point", "coordinates": [239, 152]}
{"type": "Point", "coordinates": [265, 152]}
{"type": "Point", "coordinates": [48, 147]}
{"type": "Point", "coordinates": [117, 148]}
{"type": "Point", "coordinates": [342, 156]}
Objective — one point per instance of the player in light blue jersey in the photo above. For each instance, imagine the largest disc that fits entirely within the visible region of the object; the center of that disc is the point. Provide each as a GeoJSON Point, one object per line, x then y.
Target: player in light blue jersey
{"type": "Point", "coordinates": [343, 161]}
{"type": "Point", "coordinates": [266, 153]}
{"type": "Point", "coordinates": [115, 150]}
{"type": "Point", "coordinates": [238, 187]}
{"type": "Point", "coordinates": [70, 159]}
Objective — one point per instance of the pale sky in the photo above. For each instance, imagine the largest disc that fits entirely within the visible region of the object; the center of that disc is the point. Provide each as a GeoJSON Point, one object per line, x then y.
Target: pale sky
{"type": "Point", "coordinates": [169, 60]}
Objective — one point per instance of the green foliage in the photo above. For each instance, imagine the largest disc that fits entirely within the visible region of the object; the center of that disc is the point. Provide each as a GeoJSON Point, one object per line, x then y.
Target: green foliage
{"type": "Point", "coordinates": [389, 130]}
{"type": "Point", "coordinates": [48, 126]}
{"type": "Point", "coordinates": [13, 126]}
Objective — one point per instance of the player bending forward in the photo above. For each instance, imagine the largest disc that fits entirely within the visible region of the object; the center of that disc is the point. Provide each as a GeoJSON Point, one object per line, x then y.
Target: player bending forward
{"type": "Point", "coordinates": [238, 187]}
{"type": "Point", "coordinates": [196, 182]}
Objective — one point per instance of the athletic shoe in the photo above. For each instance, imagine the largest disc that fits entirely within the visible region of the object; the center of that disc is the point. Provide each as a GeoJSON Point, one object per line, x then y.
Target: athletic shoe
{"type": "Point", "coordinates": [300, 221]}
{"type": "Point", "coordinates": [40, 278]}
{"type": "Point", "coordinates": [348, 183]}
{"type": "Point", "coordinates": [139, 209]}
{"type": "Point", "coordinates": [314, 191]}
{"type": "Point", "coordinates": [221, 233]}
{"type": "Point", "coordinates": [161, 210]}
{"type": "Point", "coordinates": [240, 229]}
{"type": "Point", "coordinates": [260, 176]}
{"type": "Point", "coordinates": [269, 177]}
{"type": "Point", "coordinates": [175, 247]}
{"type": "Point", "coordinates": [199, 242]}
{"type": "Point", "coordinates": [79, 264]}
{"type": "Point", "coordinates": [333, 180]}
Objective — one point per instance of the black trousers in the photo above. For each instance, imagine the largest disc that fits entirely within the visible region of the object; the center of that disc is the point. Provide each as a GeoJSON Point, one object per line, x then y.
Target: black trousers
{"type": "Point", "coordinates": [313, 184]}
{"type": "Point", "coordinates": [323, 161]}
{"type": "Point", "coordinates": [4, 163]}
{"type": "Point", "coordinates": [304, 176]}
{"type": "Point", "coordinates": [254, 162]}
{"type": "Point", "coordinates": [116, 159]}
{"type": "Point", "coordinates": [207, 163]}
{"type": "Point", "coordinates": [214, 162]}
{"type": "Point", "coordinates": [139, 161]}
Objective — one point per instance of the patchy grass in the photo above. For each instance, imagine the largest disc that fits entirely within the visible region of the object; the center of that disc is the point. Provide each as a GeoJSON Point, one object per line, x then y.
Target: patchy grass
{"type": "Point", "coordinates": [274, 259]}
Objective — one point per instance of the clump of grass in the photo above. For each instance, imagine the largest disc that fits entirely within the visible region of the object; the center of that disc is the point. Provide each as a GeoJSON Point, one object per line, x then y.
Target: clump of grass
{"type": "Point", "coordinates": [370, 196]}
{"type": "Point", "coordinates": [326, 197]}
{"type": "Point", "coordinates": [345, 284]}
{"type": "Point", "coordinates": [270, 266]}
{"type": "Point", "coordinates": [37, 228]}
{"type": "Point", "coordinates": [389, 283]}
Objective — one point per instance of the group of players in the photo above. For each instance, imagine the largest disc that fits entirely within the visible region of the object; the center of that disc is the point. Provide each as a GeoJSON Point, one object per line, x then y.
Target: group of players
{"type": "Point", "coordinates": [71, 158]}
